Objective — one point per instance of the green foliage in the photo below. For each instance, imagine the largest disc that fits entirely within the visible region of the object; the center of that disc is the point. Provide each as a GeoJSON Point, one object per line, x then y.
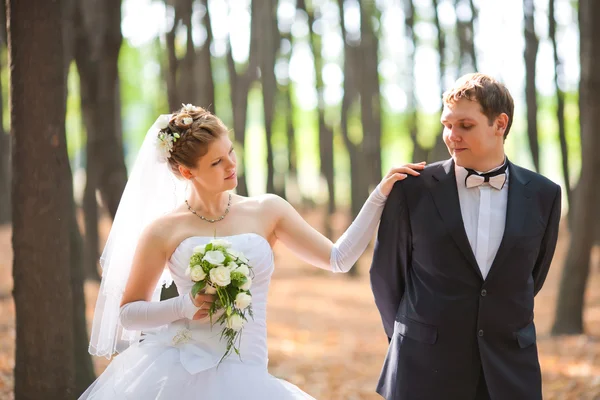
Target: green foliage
{"type": "Point", "coordinates": [198, 287]}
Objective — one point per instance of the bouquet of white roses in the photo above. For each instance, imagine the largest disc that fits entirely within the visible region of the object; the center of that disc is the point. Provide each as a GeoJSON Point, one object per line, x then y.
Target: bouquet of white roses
{"type": "Point", "coordinates": [218, 269]}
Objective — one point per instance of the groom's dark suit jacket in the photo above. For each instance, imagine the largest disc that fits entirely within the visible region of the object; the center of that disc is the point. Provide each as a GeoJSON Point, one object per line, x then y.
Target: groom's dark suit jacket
{"type": "Point", "coordinates": [446, 323]}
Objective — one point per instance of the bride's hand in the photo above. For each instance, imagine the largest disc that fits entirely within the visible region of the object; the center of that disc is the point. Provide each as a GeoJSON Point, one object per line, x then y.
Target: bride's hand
{"type": "Point", "coordinates": [203, 302]}
{"type": "Point", "coordinates": [398, 174]}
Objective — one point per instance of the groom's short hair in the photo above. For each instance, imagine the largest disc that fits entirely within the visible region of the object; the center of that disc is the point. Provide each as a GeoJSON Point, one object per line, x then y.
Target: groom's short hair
{"type": "Point", "coordinates": [492, 95]}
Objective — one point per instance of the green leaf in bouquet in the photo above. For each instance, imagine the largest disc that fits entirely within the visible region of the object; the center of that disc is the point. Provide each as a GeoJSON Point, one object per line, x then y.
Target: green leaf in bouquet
{"type": "Point", "coordinates": [232, 291]}
{"type": "Point", "coordinates": [209, 247]}
{"type": "Point", "coordinates": [198, 286]}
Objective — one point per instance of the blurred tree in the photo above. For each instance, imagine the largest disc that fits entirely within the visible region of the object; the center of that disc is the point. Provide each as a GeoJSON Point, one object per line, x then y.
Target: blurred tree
{"type": "Point", "coordinates": [569, 311]}
{"type": "Point", "coordinates": [439, 151]}
{"type": "Point", "coordinates": [288, 106]}
{"type": "Point", "coordinates": [361, 89]}
{"type": "Point", "coordinates": [97, 27]}
{"type": "Point", "coordinates": [325, 131]}
{"type": "Point", "coordinates": [205, 92]}
{"type": "Point", "coordinates": [240, 83]}
{"type": "Point", "coordinates": [265, 12]}
{"type": "Point", "coordinates": [370, 94]}
{"type": "Point", "coordinates": [465, 28]}
{"type": "Point", "coordinates": [531, 50]}
{"type": "Point", "coordinates": [419, 153]}
{"type": "Point", "coordinates": [44, 362]}
{"type": "Point", "coordinates": [190, 79]}
{"type": "Point", "coordinates": [560, 98]}
{"type": "Point", "coordinates": [84, 369]}
{"type": "Point", "coordinates": [5, 174]}
{"type": "Point", "coordinates": [97, 43]}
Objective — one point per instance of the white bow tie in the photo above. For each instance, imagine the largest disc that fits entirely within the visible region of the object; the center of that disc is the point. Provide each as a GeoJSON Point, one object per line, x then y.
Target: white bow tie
{"type": "Point", "coordinates": [496, 181]}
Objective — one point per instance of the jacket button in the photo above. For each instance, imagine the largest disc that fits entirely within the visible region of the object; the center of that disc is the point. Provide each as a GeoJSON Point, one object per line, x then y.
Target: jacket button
{"type": "Point", "coordinates": [480, 333]}
{"type": "Point", "coordinates": [484, 292]}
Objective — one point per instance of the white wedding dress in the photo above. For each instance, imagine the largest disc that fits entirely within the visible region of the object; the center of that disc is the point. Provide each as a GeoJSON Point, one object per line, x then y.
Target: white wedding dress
{"type": "Point", "coordinates": [180, 361]}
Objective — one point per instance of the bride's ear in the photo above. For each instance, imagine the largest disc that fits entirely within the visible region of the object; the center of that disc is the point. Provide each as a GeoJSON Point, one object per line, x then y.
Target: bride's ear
{"type": "Point", "coordinates": [185, 172]}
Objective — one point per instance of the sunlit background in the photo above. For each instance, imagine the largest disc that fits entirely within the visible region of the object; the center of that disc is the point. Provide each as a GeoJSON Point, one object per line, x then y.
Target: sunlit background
{"type": "Point", "coordinates": [324, 332]}
{"type": "Point", "coordinates": [499, 44]}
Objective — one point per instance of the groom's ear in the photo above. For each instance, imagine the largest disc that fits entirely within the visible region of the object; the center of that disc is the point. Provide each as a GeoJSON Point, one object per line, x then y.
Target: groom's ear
{"type": "Point", "coordinates": [501, 124]}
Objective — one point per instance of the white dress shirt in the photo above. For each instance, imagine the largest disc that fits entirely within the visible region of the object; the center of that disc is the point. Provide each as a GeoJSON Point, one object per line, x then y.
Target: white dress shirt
{"type": "Point", "coordinates": [483, 211]}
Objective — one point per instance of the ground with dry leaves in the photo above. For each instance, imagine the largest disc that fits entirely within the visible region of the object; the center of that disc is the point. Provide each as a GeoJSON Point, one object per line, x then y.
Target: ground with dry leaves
{"type": "Point", "coordinates": [325, 335]}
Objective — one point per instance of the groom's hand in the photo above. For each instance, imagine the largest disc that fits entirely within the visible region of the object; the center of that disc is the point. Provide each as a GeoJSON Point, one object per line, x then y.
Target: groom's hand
{"type": "Point", "coordinates": [398, 174]}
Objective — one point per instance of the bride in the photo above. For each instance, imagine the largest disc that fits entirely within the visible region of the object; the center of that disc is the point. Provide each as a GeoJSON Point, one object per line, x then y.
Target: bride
{"type": "Point", "coordinates": [169, 349]}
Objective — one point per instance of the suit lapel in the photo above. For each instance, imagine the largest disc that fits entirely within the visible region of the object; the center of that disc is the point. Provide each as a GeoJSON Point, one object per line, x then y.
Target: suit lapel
{"type": "Point", "coordinates": [445, 196]}
{"type": "Point", "coordinates": [518, 208]}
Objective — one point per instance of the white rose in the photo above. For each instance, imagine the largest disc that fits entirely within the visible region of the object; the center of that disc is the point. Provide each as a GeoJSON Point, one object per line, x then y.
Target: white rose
{"type": "Point", "coordinates": [235, 322]}
{"type": "Point", "coordinates": [247, 285]}
{"type": "Point", "coordinates": [220, 276]}
{"type": "Point", "coordinates": [244, 270]}
{"type": "Point", "coordinates": [243, 300]}
{"type": "Point", "coordinates": [220, 243]}
{"type": "Point", "coordinates": [187, 121]}
{"type": "Point", "coordinates": [232, 266]}
{"type": "Point", "coordinates": [214, 257]}
{"type": "Point", "coordinates": [200, 249]}
{"type": "Point", "coordinates": [233, 253]}
{"type": "Point", "coordinates": [197, 273]}
{"type": "Point", "coordinates": [210, 290]}
{"type": "Point", "coordinates": [188, 107]}
{"type": "Point", "coordinates": [162, 122]}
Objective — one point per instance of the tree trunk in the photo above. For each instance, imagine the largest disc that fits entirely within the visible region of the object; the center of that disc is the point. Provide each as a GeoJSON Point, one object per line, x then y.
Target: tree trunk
{"type": "Point", "coordinates": [359, 186]}
{"type": "Point", "coordinates": [439, 151]}
{"type": "Point", "coordinates": [44, 362]}
{"type": "Point", "coordinates": [98, 41]}
{"type": "Point", "coordinates": [465, 29]}
{"type": "Point", "coordinates": [240, 85]}
{"type": "Point", "coordinates": [205, 93]}
{"type": "Point", "coordinates": [560, 98]}
{"type": "Point", "coordinates": [370, 96]}
{"type": "Point", "coordinates": [189, 80]}
{"type": "Point", "coordinates": [91, 252]}
{"type": "Point", "coordinates": [172, 60]}
{"type": "Point", "coordinates": [5, 174]}
{"type": "Point", "coordinates": [419, 153]}
{"type": "Point", "coordinates": [97, 44]}
{"type": "Point", "coordinates": [289, 119]}
{"type": "Point", "coordinates": [266, 12]}
{"type": "Point", "coordinates": [569, 312]}
{"type": "Point", "coordinates": [84, 369]}
{"type": "Point", "coordinates": [472, 50]}
{"type": "Point", "coordinates": [531, 49]}
{"type": "Point", "coordinates": [325, 131]}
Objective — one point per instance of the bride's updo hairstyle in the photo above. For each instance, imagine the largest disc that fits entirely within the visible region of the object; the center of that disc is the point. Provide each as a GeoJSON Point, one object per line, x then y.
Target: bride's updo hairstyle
{"type": "Point", "coordinates": [197, 128]}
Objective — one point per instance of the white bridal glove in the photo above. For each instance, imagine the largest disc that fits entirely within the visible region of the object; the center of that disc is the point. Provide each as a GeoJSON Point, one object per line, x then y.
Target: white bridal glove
{"type": "Point", "coordinates": [348, 248]}
{"type": "Point", "coordinates": [142, 314]}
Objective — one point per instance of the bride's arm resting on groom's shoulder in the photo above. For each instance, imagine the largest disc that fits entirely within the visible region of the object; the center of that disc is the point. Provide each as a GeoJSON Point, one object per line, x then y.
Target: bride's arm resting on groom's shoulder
{"type": "Point", "coordinates": [314, 248]}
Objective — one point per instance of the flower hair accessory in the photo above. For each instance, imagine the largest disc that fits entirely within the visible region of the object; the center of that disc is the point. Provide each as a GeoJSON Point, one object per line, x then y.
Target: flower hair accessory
{"type": "Point", "coordinates": [164, 142]}
{"type": "Point", "coordinates": [168, 134]}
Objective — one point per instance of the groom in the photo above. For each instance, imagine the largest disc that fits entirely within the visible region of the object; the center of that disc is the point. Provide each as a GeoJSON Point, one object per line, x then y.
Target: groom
{"type": "Point", "coordinates": [461, 252]}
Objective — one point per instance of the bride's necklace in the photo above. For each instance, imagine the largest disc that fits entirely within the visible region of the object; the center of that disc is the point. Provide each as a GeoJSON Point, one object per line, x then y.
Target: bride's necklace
{"type": "Point", "coordinates": [208, 219]}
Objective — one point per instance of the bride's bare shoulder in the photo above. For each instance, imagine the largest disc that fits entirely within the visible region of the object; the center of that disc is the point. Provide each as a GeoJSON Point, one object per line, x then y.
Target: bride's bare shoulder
{"type": "Point", "coordinates": [165, 226]}
{"type": "Point", "coordinates": [263, 202]}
